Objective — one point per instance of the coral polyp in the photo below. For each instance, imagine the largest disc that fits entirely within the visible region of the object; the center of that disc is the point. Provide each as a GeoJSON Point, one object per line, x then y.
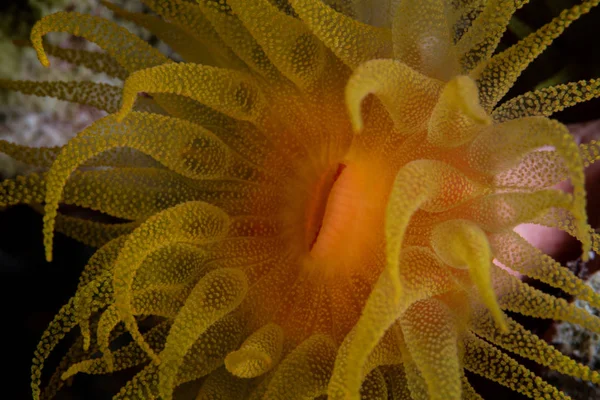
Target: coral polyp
{"type": "Point", "coordinates": [318, 201]}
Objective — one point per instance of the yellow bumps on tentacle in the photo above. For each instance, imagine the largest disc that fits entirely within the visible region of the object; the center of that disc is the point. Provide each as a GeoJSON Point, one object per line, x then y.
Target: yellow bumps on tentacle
{"type": "Point", "coordinates": [374, 387]}
{"type": "Point", "coordinates": [214, 296]}
{"type": "Point", "coordinates": [93, 60]}
{"type": "Point", "coordinates": [304, 372]}
{"type": "Point", "coordinates": [462, 244]}
{"type": "Point", "coordinates": [408, 95]}
{"type": "Point", "coordinates": [258, 354]}
{"type": "Point", "coordinates": [105, 134]}
{"type": "Point", "coordinates": [423, 38]}
{"type": "Point", "coordinates": [191, 222]}
{"type": "Point", "coordinates": [547, 101]}
{"type": "Point", "coordinates": [457, 117]}
{"type": "Point", "coordinates": [496, 76]}
{"type": "Point", "coordinates": [109, 36]}
{"type": "Point", "coordinates": [352, 41]}
{"type": "Point", "coordinates": [99, 95]}
{"type": "Point", "coordinates": [501, 146]}
{"type": "Point", "coordinates": [519, 255]}
{"type": "Point", "coordinates": [233, 93]}
{"type": "Point", "coordinates": [221, 385]}
{"type": "Point", "coordinates": [286, 41]}
{"type": "Point", "coordinates": [432, 334]}
{"type": "Point", "coordinates": [524, 343]}
{"type": "Point", "coordinates": [486, 360]}
{"type": "Point", "coordinates": [167, 32]}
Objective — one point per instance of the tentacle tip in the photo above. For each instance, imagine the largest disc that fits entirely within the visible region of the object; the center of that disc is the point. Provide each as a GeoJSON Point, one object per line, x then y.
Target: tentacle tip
{"type": "Point", "coordinates": [502, 325]}
{"type": "Point", "coordinates": [155, 358]}
{"type": "Point", "coordinates": [357, 124]}
{"type": "Point", "coordinates": [120, 116]}
{"type": "Point", "coordinates": [67, 374]}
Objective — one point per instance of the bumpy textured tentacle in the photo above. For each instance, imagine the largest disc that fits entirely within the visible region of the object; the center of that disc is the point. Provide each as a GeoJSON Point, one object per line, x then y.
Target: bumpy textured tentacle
{"type": "Point", "coordinates": [430, 330]}
{"type": "Point", "coordinates": [423, 38]}
{"type": "Point", "coordinates": [483, 36]}
{"type": "Point", "coordinates": [106, 134]}
{"type": "Point", "coordinates": [304, 372]}
{"type": "Point", "coordinates": [213, 297]}
{"type": "Point", "coordinates": [496, 76]}
{"type": "Point", "coordinates": [196, 223]}
{"type": "Point", "coordinates": [463, 244]}
{"type": "Point", "coordinates": [486, 360]}
{"type": "Point", "coordinates": [547, 101]}
{"type": "Point", "coordinates": [344, 35]}
{"type": "Point", "coordinates": [526, 259]}
{"type": "Point", "coordinates": [105, 34]}
{"type": "Point", "coordinates": [189, 18]}
{"type": "Point", "coordinates": [174, 37]}
{"type": "Point", "coordinates": [524, 343]}
{"type": "Point", "coordinates": [386, 79]}
{"type": "Point", "coordinates": [258, 354]}
{"type": "Point", "coordinates": [230, 92]}
{"type": "Point", "coordinates": [99, 95]}
{"type": "Point", "coordinates": [287, 42]}
{"type": "Point", "coordinates": [93, 60]}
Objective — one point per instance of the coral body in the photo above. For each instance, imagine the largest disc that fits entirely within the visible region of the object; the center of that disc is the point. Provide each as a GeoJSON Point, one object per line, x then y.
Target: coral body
{"type": "Point", "coordinates": [317, 201]}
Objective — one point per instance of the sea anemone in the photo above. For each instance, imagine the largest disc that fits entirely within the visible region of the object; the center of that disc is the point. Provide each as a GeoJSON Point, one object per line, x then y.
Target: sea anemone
{"type": "Point", "coordinates": [319, 201]}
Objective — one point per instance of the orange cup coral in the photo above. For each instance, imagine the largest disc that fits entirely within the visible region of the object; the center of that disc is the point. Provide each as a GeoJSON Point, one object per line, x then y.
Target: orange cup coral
{"type": "Point", "coordinates": [314, 200]}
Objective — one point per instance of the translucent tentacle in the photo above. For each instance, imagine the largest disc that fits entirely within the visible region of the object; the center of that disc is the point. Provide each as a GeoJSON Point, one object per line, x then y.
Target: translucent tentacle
{"type": "Point", "coordinates": [38, 156]}
{"type": "Point", "coordinates": [304, 372]}
{"type": "Point", "coordinates": [62, 323]}
{"type": "Point", "coordinates": [108, 35]}
{"type": "Point", "coordinates": [431, 335]}
{"type": "Point", "coordinates": [517, 254]}
{"type": "Point", "coordinates": [374, 387]}
{"type": "Point", "coordinates": [350, 40]}
{"type": "Point", "coordinates": [22, 189]}
{"type": "Point", "coordinates": [408, 96]}
{"type": "Point", "coordinates": [288, 43]}
{"type": "Point", "coordinates": [461, 243]}
{"type": "Point", "coordinates": [203, 154]}
{"type": "Point", "coordinates": [496, 76]}
{"type": "Point", "coordinates": [99, 95]}
{"type": "Point", "coordinates": [547, 101]}
{"type": "Point", "coordinates": [489, 362]}
{"type": "Point", "coordinates": [423, 38]}
{"type": "Point", "coordinates": [222, 385]}
{"type": "Point", "coordinates": [258, 354]}
{"type": "Point", "coordinates": [233, 33]}
{"type": "Point", "coordinates": [189, 18]}
{"type": "Point", "coordinates": [108, 321]}
{"type": "Point", "coordinates": [524, 343]}
{"type": "Point", "coordinates": [457, 116]}
{"type": "Point", "coordinates": [230, 92]}
{"type": "Point", "coordinates": [191, 222]}
{"type": "Point", "coordinates": [178, 40]}
{"type": "Point", "coordinates": [519, 297]}
{"type": "Point", "coordinates": [468, 391]}
{"type": "Point", "coordinates": [483, 36]}
{"type": "Point", "coordinates": [93, 60]}
{"type": "Point", "coordinates": [92, 233]}
{"type": "Point", "coordinates": [509, 144]}
{"type": "Point", "coordinates": [396, 382]}
{"type": "Point", "coordinates": [125, 357]}
{"type": "Point", "coordinates": [412, 187]}
{"type": "Point", "coordinates": [213, 297]}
